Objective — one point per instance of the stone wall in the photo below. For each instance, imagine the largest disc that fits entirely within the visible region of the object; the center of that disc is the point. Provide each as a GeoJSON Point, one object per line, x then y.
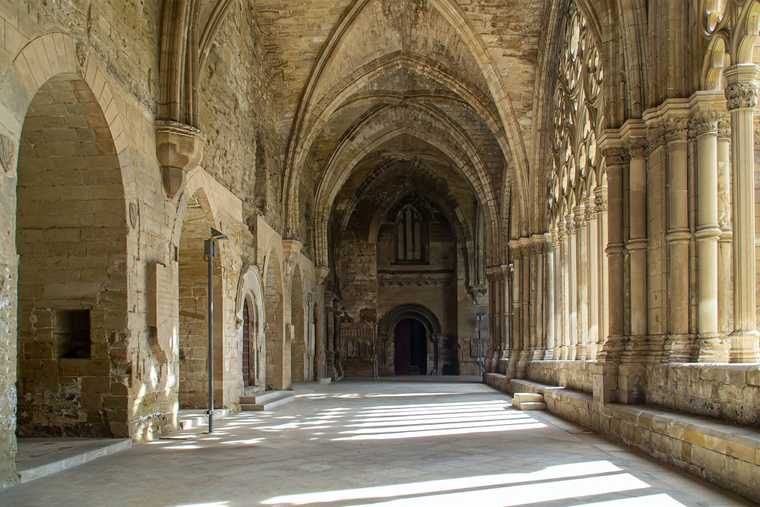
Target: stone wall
{"type": "Point", "coordinates": [72, 244]}
{"type": "Point", "coordinates": [727, 392]}
{"type": "Point", "coordinates": [572, 374]}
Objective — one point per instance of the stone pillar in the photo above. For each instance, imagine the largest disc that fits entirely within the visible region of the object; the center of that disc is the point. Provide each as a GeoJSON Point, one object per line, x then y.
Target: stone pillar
{"type": "Point", "coordinates": [565, 273]}
{"type": "Point", "coordinates": [572, 258]}
{"type": "Point", "coordinates": [594, 257]}
{"type": "Point", "coordinates": [551, 308]}
{"type": "Point", "coordinates": [494, 320]}
{"type": "Point", "coordinates": [605, 376]}
{"type": "Point", "coordinates": [679, 347]}
{"type": "Point", "coordinates": [525, 275]}
{"type": "Point", "coordinates": [516, 318]}
{"type": "Point", "coordinates": [725, 245]}
{"type": "Point", "coordinates": [539, 255]}
{"type": "Point", "coordinates": [506, 291]}
{"type": "Point", "coordinates": [711, 349]}
{"type": "Point", "coordinates": [637, 247]}
{"type": "Point", "coordinates": [741, 94]}
{"type": "Point", "coordinates": [581, 226]}
{"type": "Point", "coordinates": [600, 200]}
{"type": "Point", "coordinates": [559, 323]}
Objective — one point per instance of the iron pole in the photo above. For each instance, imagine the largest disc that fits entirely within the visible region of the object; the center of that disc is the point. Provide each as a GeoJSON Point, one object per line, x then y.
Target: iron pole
{"type": "Point", "coordinates": [210, 299]}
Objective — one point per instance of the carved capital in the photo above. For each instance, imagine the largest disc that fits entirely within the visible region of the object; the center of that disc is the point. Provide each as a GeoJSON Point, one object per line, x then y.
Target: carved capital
{"type": "Point", "coordinates": [742, 95]}
{"type": "Point", "coordinates": [616, 156]}
{"type": "Point", "coordinates": [637, 147]}
{"type": "Point", "coordinates": [655, 137]}
{"type": "Point", "coordinates": [600, 200]}
{"type": "Point", "coordinates": [179, 148]}
{"type": "Point", "coordinates": [704, 122]}
{"type": "Point", "coordinates": [676, 129]}
{"type": "Point", "coordinates": [724, 126]}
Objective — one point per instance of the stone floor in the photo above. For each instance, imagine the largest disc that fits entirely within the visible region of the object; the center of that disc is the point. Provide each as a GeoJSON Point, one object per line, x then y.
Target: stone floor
{"type": "Point", "coordinates": [38, 457]}
{"type": "Point", "coordinates": [382, 444]}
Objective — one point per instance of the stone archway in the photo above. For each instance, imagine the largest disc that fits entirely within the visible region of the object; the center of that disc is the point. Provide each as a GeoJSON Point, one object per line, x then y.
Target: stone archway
{"type": "Point", "coordinates": [387, 336]}
{"type": "Point", "coordinates": [193, 312]}
{"type": "Point", "coordinates": [71, 235]}
{"type": "Point", "coordinates": [275, 339]}
{"type": "Point", "coordinates": [250, 300]}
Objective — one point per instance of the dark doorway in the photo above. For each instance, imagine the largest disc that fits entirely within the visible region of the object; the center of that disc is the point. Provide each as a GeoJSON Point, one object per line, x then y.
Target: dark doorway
{"type": "Point", "coordinates": [248, 378]}
{"type": "Point", "coordinates": [410, 356]}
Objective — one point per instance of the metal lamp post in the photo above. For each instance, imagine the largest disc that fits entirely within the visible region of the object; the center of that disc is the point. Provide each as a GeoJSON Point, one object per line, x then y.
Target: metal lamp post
{"type": "Point", "coordinates": [209, 250]}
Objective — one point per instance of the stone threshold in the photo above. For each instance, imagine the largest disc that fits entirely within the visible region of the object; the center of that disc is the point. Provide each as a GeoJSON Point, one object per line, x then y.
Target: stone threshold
{"type": "Point", "coordinates": [723, 453]}
{"type": "Point", "coordinates": [40, 457]}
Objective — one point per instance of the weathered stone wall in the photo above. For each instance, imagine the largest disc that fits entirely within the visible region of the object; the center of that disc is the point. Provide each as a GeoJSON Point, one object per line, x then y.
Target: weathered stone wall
{"type": "Point", "coordinates": [727, 392]}
{"type": "Point", "coordinates": [72, 244]}
{"type": "Point", "coordinates": [112, 46]}
{"type": "Point", "coordinates": [573, 374]}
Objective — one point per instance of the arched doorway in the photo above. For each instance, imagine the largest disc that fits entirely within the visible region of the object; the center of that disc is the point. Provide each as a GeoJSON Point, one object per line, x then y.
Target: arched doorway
{"type": "Point", "coordinates": [275, 378]}
{"type": "Point", "coordinates": [398, 334]}
{"type": "Point", "coordinates": [193, 310]}
{"type": "Point", "coordinates": [410, 348]}
{"type": "Point", "coordinates": [71, 234]}
{"type": "Point", "coordinates": [298, 345]}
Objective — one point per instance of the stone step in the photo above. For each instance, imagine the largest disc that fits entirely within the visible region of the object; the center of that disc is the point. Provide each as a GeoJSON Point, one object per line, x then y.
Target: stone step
{"type": "Point", "coordinates": [532, 405]}
{"type": "Point", "coordinates": [266, 401]}
{"type": "Point", "coordinates": [192, 419]}
{"type": "Point", "coordinates": [59, 465]}
{"type": "Point", "coordinates": [521, 397]}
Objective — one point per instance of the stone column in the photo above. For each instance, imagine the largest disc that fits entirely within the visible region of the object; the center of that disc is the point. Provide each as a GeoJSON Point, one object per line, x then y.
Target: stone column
{"type": "Point", "coordinates": [572, 258]}
{"type": "Point", "coordinates": [581, 226]}
{"type": "Point", "coordinates": [565, 271]}
{"type": "Point", "coordinates": [551, 309]}
{"type": "Point", "coordinates": [600, 201]}
{"type": "Point", "coordinates": [525, 308]}
{"type": "Point", "coordinates": [741, 94]}
{"type": "Point", "coordinates": [493, 275]}
{"type": "Point", "coordinates": [559, 307]}
{"type": "Point", "coordinates": [637, 247]}
{"type": "Point", "coordinates": [725, 245]}
{"type": "Point", "coordinates": [506, 290]}
{"type": "Point", "coordinates": [539, 339]}
{"type": "Point", "coordinates": [711, 349]}
{"type": "Point", "coordinates": [516, 310]}
{"type": "Point", "coordinates": [605, 376]}
{"type": "Point", "coordinates": [594, 257]}
{"type": "Point", "coordinates": [678, 237]}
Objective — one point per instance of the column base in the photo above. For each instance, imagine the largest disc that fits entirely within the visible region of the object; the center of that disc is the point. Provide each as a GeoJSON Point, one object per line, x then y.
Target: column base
{"type": "Point", "coordinates": [744, 347]}
{"type": "Point", "coordinates": [549, 355]}
{"type": "Point", "coordinates": [538, 354]}
{"type": "Point", "coordinates": [713, 349]}
{"type": "Point", "coordinates": [680, 348]}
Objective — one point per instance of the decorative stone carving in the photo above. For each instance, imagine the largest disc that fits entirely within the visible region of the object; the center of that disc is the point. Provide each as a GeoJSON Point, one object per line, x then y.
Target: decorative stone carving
{"type": "Point", "coordinates": [676, 129]}
{"type": "Point", "coordinates": [179, 148]}
{"type": "Point", "coordinates": [705, 122]}
{"type": "Point", "coordinates": [7, 153]}
{"type": "Point", "coordinates": [742, 95]}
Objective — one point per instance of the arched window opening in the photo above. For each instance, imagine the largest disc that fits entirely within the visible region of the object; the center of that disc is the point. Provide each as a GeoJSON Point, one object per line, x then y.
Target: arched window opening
{"type": "Point", "coordinates": [411, 236]}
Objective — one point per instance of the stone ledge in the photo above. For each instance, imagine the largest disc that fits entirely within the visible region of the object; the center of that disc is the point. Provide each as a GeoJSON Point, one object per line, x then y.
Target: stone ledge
{"type": "Point", "coordinates": [723, 453]}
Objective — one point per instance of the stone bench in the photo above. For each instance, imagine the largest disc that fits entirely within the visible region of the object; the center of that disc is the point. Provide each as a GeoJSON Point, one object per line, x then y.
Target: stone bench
{"type": "Point", "coordinates": [720, 452]}
{"type": "Point", "coordinates": [528, 401]}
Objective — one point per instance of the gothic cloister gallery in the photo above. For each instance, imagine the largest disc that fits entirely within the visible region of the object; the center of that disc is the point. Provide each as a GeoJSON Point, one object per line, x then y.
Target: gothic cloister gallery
{"type": "Point", "coordinates": [418, 252]}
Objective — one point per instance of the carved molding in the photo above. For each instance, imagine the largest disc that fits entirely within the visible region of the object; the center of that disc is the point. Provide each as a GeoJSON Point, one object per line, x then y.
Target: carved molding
{"type": "Point", "coordinates": [741, 95]}
{"type": "Point", "coordinates": [179, 148]}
